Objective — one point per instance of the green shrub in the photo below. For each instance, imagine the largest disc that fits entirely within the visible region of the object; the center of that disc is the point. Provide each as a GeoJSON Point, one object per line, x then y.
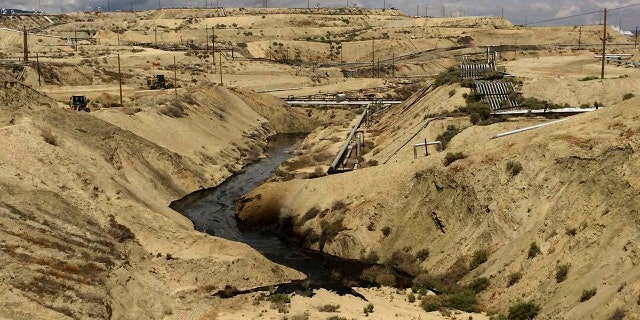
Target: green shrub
{"type": "Point", "coordinates": [514, 167]}
{"type": "Point", "coordinates": [387, 280]}
{"type": "Point", "coordinates": [478, 112]}
{"type": "Point", "coordinates": [523, 311]}
{"type": "Point", "coordinates": [422, 254]}
{"type": "Point", "coordinates": [368, 309]}
{"type": "Point", "coordinates": [450, 158]}
{"type": "Point", "coordinates": [431, 303]}
{"type": "Point", "coordinates": [479, 257]}
{"type": "Point", "coordinates": [329, 308]}
{"type": "Point", "coordinates": [514, 277]}
{"type": "Point", "coordinates": [449, 76]}
{"type": "Point", "coordinates": [628, 96]}
{"type": "Point", "coordinates": [337, 318]}
{"type": "Point", "coordinates": [534, 250]}
{"type": "Point", "coordinates": [386, 231]}
{"type": "Point", "coordinates": [588, 294]}
{"type": "Point", "coordinates": [446, 136]}
{"type": "Point", "coordinates": [618, 314]}
{"type": "Point", "coordinates": [411, 297]}
{"type": "Point", "coordinates": [571, 231]}
{"type": "Point", "coordinates": [588, 78]}
{"type": "Point", "coordinates": [464, 300]}
{"type": "Point", "coordinates": [561, 272]}
{"type": "Point", "coordinates": [480, 284]}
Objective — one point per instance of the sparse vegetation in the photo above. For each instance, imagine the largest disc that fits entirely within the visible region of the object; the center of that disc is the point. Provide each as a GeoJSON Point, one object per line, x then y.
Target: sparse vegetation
{"type": "Point", "coordinates": [589, 78]}
{"type": "Point", "coordinates": [534, 250]}
{"type": "Point", "coordinates": [329, 308]}
{"type": "Point", "coordinates": [571, 231]}
{"type": "Point", "coordinates": [588, 294]}
{"type": "Point", "coordinates": [561, 272]}
{"type": "Point", "coordinates": [523, 311]}
{"type": "Point", "coordinates": [618, 314]}
{"type": "Point", "coordinates": [386, 231]}
{"type": "Point", "coordinates": [514, 167]}
{"type": "Point", "coordinates": [479, 257]}
{"type": "Point", "coordinates": [450, 158]}
{"type": "Point", "coordinates": [446, 136]}
{"type": "Point", "coordinates": [368, 309]}
{"type": "Point", "coordinates": [480, 284]}
{"type": "Point", "coordinates": [422, 255]}
{"type": "Point", "coordinates": [48, 136]}
{"type": "Point", "coordinates": [628, 96]}
{"type": "Point", "coordinates": [449, 76]}
{"type": "Point", "coordinates": [514, 277]}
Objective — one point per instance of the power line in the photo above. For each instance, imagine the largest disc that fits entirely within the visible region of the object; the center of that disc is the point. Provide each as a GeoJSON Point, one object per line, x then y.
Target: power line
{"type": "Point", "coordinates": [583, 14]}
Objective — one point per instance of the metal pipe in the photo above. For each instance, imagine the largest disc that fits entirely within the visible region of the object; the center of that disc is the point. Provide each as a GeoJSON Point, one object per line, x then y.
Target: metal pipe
{"type": "Point", "coordinates": [504, 134]}
{"type": "Point", "coordinates": [425, 144]}
{"type": "Point", "coordinates": [334, 165]}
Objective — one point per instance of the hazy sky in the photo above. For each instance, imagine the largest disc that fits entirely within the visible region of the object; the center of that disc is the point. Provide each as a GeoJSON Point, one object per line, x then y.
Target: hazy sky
{"type": "Point", "coordinates": [518, 11]}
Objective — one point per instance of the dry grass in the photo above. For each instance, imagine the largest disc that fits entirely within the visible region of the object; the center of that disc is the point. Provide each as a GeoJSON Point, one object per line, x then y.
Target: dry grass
{"type": "Point", "coordinates": [49, 137]}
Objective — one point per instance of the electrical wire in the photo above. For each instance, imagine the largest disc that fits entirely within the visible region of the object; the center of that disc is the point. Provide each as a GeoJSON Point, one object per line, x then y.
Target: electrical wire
{"type": "Point", "coordinates": [583, 14]}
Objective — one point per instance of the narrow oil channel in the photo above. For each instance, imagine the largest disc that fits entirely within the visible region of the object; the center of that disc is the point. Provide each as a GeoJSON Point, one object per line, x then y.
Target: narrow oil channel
{"type": "Point", "coordinates": [212, 211]}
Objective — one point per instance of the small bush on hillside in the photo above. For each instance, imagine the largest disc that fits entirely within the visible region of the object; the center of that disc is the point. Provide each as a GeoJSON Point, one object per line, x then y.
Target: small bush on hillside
{"type": "Point", "coordinates": [628, 96]}
{"type": "Point", "coordinates": [449, 76]}
{"type": "Point", "coordinates": [534, 250]}
{"type": "Point", "coordinates": [588, 294]}
{"type": "Point", "coordinates": [48, 136]}
{"type": "Point", "coordinates": [561, 272]}
{"type": "Point", "coordinates": [588, 78]}
{"type": "Point", "coordinates": [571, 231]}
{"type": "Point", "coordinates": [337, 318]}
{"type": "Point", "coordinates": [175, 110]}
{"type": "Point", "coordinates": [368, 309]}
{"type": "Point", "coordinates": [387, 280]}
{"type": "Point", "coordinates": [464, 300]}
{"type": "Point", "coordinates": [431, 303]}
{"type": "Point", "coordinates": [411, 297]}
{"type": "Point", "coordinates": [450, 158]}
{"type": "Point", "coordinates": [514, 277]}
{"type": "Point", "coordinates": [452, 93]}
{"type": "Point", "coordinates": [329, 308]}
{"type": "Point", "coordinates": [386, 231]}
{"type": "Point", "coordinates": [480, 284]}
{"type": "Point", "coordinates": [422, 255]}
{"type": "Point", "coordinates": [478, 112]}
{"type": "Point", "coordinates": [514, 167]}
{"type": "Point", "coordinates": [523, 311]}
{"type": "Point", "coordinates": [618, 314]}
{"type": "Point", "coordinates": [446, 136]}
{"type": "Point", "coordinates": [479, 257]}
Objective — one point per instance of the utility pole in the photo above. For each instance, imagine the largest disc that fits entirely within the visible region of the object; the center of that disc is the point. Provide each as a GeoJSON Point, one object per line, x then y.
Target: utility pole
{"type": "Point", "coordinates": [213, 45]}
{"type": "Point", "coordinates": [221, 70]}
{"type": "Point", "coordinates": [175, 77]}
{"type": "Point", "coordinates": [120, 79]}
{"type": "Point", "coordinates": [417, 10]}
{"type": "Point", "coordinates": [426, 10]}
{"type": "Point", "coordinates": [604, 44]}
{"type": "Point", "coordinates": [579, 37]}
{"type": "Point", "coordinates": [26, 44]}
{"type": "Point", "coordinates": [635, 43]}
{"type": "Point", "coordinates": [159, 6]}
{"type": "Point", "coordinates": [131, 4]}
{"type": "Point", "coordinates": [38, 67]}
{"type": "Point", "coordinates": [373, 57]}
{"type": "Point", "coordinates": [206, 38]}
{"type": "Point", "coordinates": [75, 39]}
{"type": "Point", "coordinates": [393, 65]}
{"type": "Point", "coordinates": [108, 6]}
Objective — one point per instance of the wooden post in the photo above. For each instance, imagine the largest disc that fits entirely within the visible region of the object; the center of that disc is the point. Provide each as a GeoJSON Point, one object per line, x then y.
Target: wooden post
{"type": "Point", "coordinates": [213, 44]}
{"type": "Point", "coordinates": [120, 80]}
{"type": "Point", "coordinates": [373, 57]}
{"type": "Point", "coordinates": [221, 69]}
{"type": "Point", "coordinates": [206, 38]}
{"type": "Point", "coordinates": [393, 65]}
{"type": "Point", "coordinates": [426, 148]}
{"type": "Point", "coordinates": [175, 77]}
{"type": "Point", "coordinates": [26, 44]}
{"type": "Point", "coordinates": [580, 38]}
{"type": "Point", "coordinates": [604, 44]}
{"type": "Point", "coordinates": [635, 43]}
{"type": "Point", "coordinates": [38, 67]}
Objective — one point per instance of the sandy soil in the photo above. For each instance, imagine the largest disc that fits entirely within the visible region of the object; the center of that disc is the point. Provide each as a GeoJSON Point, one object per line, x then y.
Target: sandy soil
{"type": "Point", "coordinates": [85, 231]}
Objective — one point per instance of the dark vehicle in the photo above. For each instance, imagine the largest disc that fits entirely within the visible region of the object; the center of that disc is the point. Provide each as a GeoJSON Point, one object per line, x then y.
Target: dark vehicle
{"type": "Point", "coordinates": [159, 82]}
{"type": "Point", "coordinates": [79, 103]}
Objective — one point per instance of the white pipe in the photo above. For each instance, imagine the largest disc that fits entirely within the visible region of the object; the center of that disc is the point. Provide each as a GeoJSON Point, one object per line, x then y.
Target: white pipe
{"type": "Point", "coordinates": [504, 134]}
{"type": "Point", "coordinates": [425, 144]}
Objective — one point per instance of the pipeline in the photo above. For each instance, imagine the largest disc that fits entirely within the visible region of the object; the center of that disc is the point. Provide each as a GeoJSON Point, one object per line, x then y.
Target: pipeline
{"type": "Point", "coordinates": [504, 134]}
